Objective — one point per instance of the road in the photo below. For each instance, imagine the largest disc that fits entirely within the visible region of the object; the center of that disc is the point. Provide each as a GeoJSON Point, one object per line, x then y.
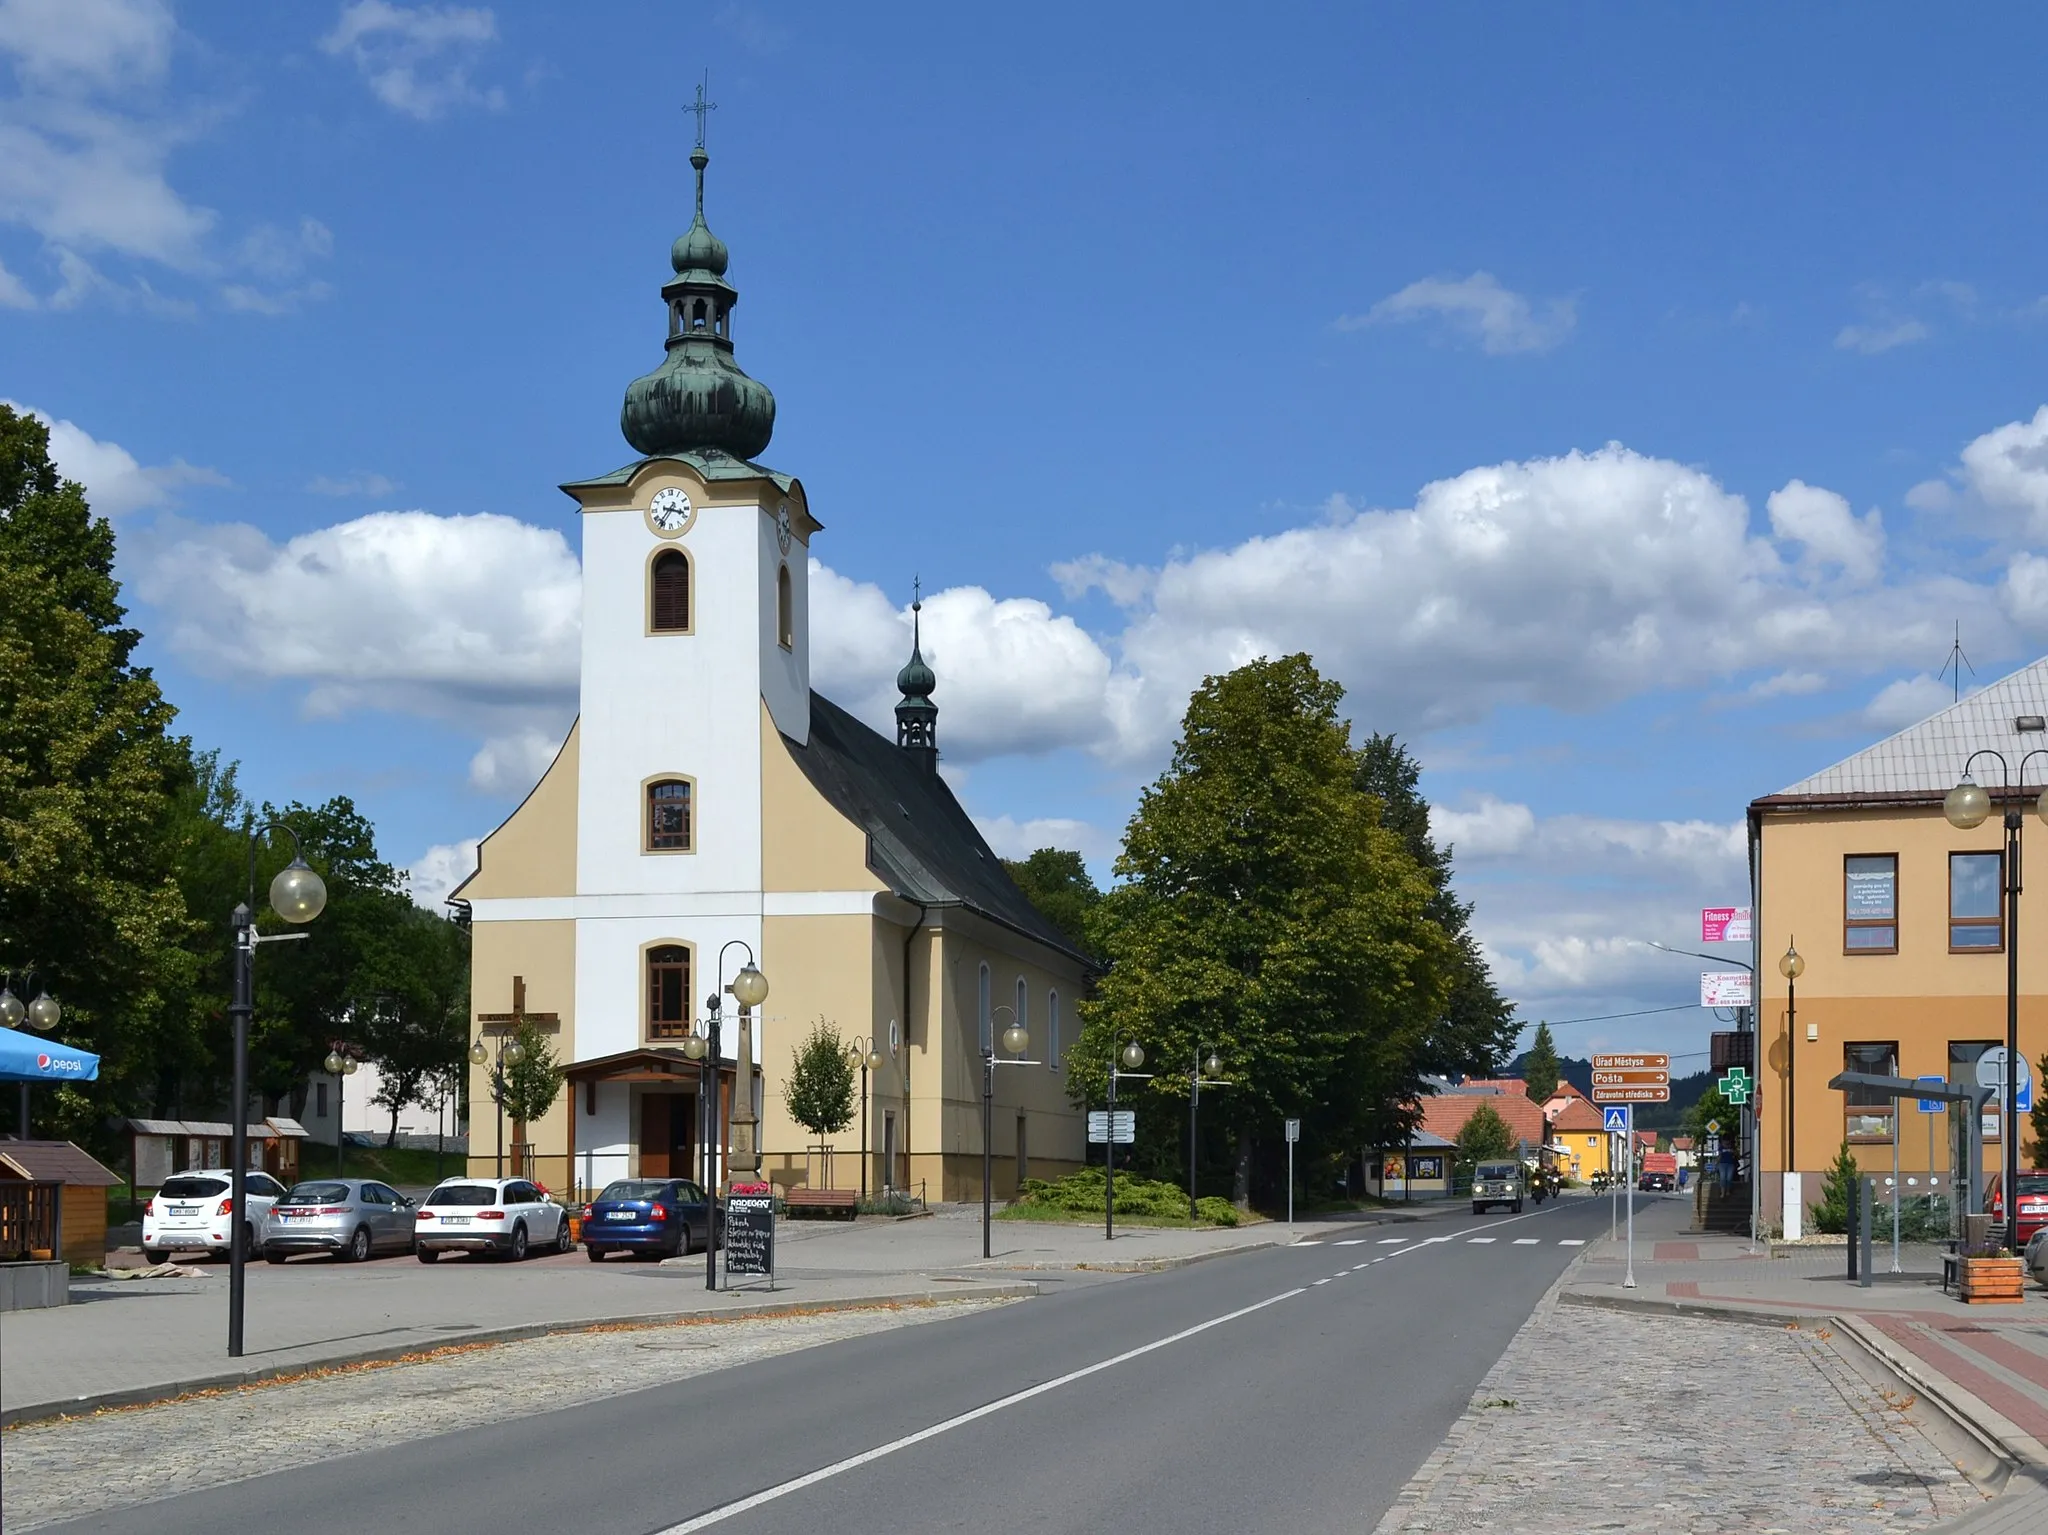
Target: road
{"type": "Point", "coordinates": [1293, 1389]}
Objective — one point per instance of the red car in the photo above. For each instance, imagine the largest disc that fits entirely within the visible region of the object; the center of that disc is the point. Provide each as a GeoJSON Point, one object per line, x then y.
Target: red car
{"type": "Point", "coordinates": [2033, 1202]}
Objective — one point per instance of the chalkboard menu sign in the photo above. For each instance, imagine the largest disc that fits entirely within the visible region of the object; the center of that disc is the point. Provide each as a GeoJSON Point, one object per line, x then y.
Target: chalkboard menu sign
{"type": "Point", "coordinates": [750, 1236]}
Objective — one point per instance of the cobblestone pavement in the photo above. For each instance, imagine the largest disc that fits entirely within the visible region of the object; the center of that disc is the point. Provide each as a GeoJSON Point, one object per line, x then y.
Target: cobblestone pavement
{"type": "Point", "coordinates": [1607, 1421]}
{"type": "Point", "coordinates": [72, 1467]}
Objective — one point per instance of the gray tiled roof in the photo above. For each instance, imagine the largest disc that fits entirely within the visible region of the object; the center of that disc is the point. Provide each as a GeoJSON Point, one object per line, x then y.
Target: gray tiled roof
{"type": "Point", "coordinates": [712, 463]}
{"type": "Point", "coordinates": [1928, 758]}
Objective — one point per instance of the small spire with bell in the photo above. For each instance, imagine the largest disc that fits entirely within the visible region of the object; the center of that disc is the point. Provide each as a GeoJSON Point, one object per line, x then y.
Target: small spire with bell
{"type": "Point", "coordinates": [917, 717]}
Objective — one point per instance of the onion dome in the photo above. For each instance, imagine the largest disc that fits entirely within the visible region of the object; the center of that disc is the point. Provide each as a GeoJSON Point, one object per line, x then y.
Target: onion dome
{"type": "Point", "coordinates": [698, 399]}
{"type": "Point", "coordinates": [917, 717]}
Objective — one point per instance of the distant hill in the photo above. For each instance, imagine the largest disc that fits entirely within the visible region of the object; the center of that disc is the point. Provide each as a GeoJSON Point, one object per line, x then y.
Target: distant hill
{"type": "Point", "coordinates": [1685, 1091]}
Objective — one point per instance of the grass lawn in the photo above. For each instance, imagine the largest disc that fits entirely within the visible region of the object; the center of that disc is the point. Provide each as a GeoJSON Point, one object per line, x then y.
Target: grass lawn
{"type": "Point", "coordinates": [1053, 1217]}
{"type": "Point", "coordinates": [401, 1166]}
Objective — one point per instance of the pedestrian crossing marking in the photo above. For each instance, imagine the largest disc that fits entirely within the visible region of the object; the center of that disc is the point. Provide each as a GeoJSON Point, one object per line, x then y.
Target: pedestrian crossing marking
{"type": "Point", "coordinates": [1391, 1241]}
{"type": "Point", "coordinates": [1352, 1242]}
{"type": "Point", "coordinates": [1571, 1241]}
{"type": "Point", "coordinates": [1527, 1241]}
{"type": "Point", "coordinates": [1311, 1242]}
{"type": "Point", "coordinates": [1482, 1241]}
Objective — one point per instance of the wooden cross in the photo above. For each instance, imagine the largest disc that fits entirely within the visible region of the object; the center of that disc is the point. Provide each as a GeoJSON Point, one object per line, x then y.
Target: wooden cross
{"type": "Point", "coordinates": [702, 107]}
{"type": "Point", "coordinates": [508, 1023]}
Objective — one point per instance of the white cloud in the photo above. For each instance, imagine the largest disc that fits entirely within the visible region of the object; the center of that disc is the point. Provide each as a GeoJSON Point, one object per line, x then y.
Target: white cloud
{"type": "Point", "coordinates": [1880, 336]}
{"type": "Point", "coordinates": [1792, 684]}
{"type": "Point", "coordinates": [1931, 496]}
{"type": "Point", "coordinates": [99, 42]}
{"type": "Point", "coordinates": [1499, 319]}
{"type": "Point", "coordinates": [115, 484]}
{"type": "Point", "coordinates": [2025, 592]}
{"type": "Point", "coordinates": [359, 484]}
{"type": "Point", "coordinates": [416, 59]}
{"type": "Point", "coordinates": [1012, 838]}
{"type": "Point", "coordinates": [2007, 469]}
{"type": "Point", "coordinates": [439, 870]}
{"type": "Point", "coordinates": [1495, 830]}
{"type": "Point", "coordinates": [14, 293]}
{"type": "Point", "coordinates": [1831, 533]}
{"type": "Point", "coordinates": [512, 763]}
{"type": "Point", "coordinates": [246, 299]}
{"type": "Point", "coordinates": [1907, 701]}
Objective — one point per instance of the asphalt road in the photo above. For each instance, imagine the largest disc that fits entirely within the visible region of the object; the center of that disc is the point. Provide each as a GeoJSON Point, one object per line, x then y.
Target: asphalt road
{"type": "Point", "coordinates": [1294, 1389]}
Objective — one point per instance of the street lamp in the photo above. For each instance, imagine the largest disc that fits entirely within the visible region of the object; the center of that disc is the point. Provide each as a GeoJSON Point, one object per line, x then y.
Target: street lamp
{"type": "Point", "coordinates": [1791, 965]}
{"type": "Point", "coordinates": [1131, 1057]}
{"type": "Point", "coordinates": [1196, 1082]}
{"type": "Point", "coordinates": [750, 989]}
{"type": "Point", "coordinates": [510, 1053]}
{"type": "Point", "coordinates": [1016, 1040]}
{"type": "Point", "coordinates": [862, 1053]}
{"type": "Point", "coordinates": [1967, 806]}
{"type": "Point", "coordinates": [42, 1015]}
{"type": "Point", "coordinates": [341, 1068]}
{"type": "Point", "coordinates": [298, 895]}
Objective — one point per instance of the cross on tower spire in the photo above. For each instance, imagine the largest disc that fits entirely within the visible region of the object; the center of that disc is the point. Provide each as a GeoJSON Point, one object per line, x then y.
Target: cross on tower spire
{"type": "Point", "coordinates": [702, 107]}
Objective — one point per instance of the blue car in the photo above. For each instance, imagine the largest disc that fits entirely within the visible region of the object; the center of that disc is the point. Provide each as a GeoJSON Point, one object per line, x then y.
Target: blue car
{"type": "Point", "coordinates": [652, 1217]}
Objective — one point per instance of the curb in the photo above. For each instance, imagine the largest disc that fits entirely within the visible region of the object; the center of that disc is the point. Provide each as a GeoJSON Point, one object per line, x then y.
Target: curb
{"type": "Point", "coordinates": [1133, 1265]}
{"type": "Point", "coordinates": [2000, 1434]}
{"type": "Point", "coordinates": [142, 1396]}
{"type": "Point", "coordinates": [1644, 1305]}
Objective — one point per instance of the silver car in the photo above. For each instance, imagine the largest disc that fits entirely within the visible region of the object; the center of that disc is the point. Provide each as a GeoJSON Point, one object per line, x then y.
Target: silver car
{"type": "Point", "coordinates": [348, 1217]}
{"type": "Point", "coordinates": [2036, 1256]}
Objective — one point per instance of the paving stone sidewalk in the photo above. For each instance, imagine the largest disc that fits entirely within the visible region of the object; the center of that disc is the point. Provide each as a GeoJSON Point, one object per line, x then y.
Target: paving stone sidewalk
{"type": "Point", "coordinates": [1620, 1423]}
{"type": "Point", "coordinates": [69, 1468]}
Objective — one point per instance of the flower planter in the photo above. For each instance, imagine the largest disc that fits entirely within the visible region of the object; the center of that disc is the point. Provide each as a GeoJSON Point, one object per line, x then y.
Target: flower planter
{"type": "Point", "coordinates": [1991, 1281]}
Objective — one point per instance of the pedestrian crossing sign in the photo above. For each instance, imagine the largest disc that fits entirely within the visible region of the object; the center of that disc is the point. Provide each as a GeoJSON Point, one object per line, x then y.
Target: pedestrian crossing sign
{"type": "Point", "coordinates": [1616, 1118]}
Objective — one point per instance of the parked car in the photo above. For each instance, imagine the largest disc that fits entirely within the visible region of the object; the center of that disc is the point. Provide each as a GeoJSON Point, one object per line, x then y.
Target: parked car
{"type": "Point", "coordinates": [2036, 1256]}
{"type": "Point", "coordinates": [503, 1217]}
{"type": "Point", "coordinates": [650, 1217]}
{"type": "Point", "coordinates": [1497, 1183]}
{"type": "Point", "coordinates": [2033, 1202]}
{"type": "Point", "coordinates": [193, 1210]}
{"type": "Point", "coordinates": [348, 1217]}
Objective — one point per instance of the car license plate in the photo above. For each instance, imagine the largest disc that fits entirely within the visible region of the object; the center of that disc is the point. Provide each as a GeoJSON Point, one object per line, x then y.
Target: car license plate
{"type": "Point", "coordinates": [455, 1220]}
{"type": "Point", "coordinates": [295, 1215]}
{"type": "Point", "coordinates": [184, 1209]}
{"type": "Point", "coordinates": [618, 1215]}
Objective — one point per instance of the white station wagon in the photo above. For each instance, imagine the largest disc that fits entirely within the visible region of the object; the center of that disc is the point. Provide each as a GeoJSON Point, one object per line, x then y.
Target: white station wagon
{"type": "Point", "coordinates": [502, 1217]}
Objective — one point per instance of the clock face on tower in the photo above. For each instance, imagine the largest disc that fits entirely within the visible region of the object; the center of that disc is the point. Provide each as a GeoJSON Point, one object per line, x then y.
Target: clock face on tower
{"type": "Point", "coordinates": [782, 529]}
{"type": "Point", "coordinates": [670, 513]}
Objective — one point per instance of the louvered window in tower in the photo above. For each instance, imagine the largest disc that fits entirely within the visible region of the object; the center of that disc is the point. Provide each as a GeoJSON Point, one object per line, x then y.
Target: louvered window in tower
{"type": "Point", "coordinates": [668, 581]}
{"type": "Point", "coordinates": [785, 610]}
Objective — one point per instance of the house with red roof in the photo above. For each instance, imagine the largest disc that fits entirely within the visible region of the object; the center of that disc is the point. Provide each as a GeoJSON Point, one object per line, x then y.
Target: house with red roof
{"type": "Point", "coordinates": [1579, 1136]}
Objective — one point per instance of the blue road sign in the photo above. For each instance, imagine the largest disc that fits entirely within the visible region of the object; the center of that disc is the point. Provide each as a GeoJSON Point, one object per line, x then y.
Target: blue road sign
{"type": "Point", "coordinates": [1933, 1105]}
{"type": "Point", "coordinates": [1615, 1118]}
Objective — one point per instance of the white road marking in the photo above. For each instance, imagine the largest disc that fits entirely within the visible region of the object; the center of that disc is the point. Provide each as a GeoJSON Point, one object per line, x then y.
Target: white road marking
{"type": "Point", "coordinates": [854, 1462]}
{"type": "Point", "coordinates": [1357, 1266]}
{"type": "Point", "coordinates": [1319, 1281]}
{"type": "Point", "coordinates": [1311, 1242]}
{"type": "Point", "coordinates": [1571, 1241]}
{"type": "Point", "coordinates": [1391, 1241]}
{"type": "Point", "coordinates": [1527, 1241]}
{"type": "Point", "coordinates": [1352, 1242]}
{"type": "Point", "coordinates": [1479, 1241]}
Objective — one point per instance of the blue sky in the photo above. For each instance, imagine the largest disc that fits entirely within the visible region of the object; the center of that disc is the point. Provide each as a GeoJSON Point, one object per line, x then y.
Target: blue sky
{"type": "Point", "coordinates": [1623, 404]}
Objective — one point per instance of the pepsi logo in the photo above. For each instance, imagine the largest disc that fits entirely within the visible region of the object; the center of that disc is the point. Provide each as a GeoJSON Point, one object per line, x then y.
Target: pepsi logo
{"type": "Point", "coordinates": [43, 1062]}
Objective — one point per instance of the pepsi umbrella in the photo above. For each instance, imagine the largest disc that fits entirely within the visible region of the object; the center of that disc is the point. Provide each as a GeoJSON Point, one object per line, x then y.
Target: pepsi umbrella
{"type": "Point", "coordinates": [26, 1058]}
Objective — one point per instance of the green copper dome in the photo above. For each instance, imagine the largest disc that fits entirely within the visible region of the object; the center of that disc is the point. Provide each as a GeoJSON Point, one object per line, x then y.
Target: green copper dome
{"type": "Point", "coordinates": [698, 398]}
{"type": "Point", "coordinates": [917, 717]}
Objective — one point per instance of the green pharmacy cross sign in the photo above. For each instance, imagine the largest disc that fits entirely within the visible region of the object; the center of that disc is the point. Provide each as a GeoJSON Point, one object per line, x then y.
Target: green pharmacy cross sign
{"type": "Point", "coordinates": [1735, 1086]}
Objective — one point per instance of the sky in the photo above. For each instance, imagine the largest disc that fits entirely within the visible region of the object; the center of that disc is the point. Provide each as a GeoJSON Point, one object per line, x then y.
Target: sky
{"type": "Point", "coordinates": [1625, 404]}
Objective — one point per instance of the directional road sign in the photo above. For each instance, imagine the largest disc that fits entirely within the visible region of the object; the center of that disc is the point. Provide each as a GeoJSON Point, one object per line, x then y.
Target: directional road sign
{"type": "Point", "coordinates": [1099, 1126]}
{"type": "Point", "coordinates": [1615, 1120]}
{"type": "Point", "coordinates": [1637, 1078]}
{"type": "Point", "coordinates": [1631, 1079]}
{"type": "Point", "coordinates": [1637, 1062]}
{"type": "Point", "coordinates": [1735, 1087]}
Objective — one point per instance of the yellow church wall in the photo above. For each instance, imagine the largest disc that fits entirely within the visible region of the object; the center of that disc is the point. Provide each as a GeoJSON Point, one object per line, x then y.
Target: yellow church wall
{"type": "Point", "coordinates": [544, 953]}
{"type": "Point", "coordinates": [534, 851]}
{"type": "Point", "coordinates": [806, 844]}
{"type": "Point", "coordinates": [817, 966]}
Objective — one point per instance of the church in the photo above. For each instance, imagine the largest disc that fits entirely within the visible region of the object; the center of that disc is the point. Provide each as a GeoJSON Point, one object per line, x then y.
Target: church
{"type": "Point", "coordinates": [711, 825]}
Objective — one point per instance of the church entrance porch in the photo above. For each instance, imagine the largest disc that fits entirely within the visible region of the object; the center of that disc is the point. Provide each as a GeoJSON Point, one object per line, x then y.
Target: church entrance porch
{"type": "Point", "coordinates": [637, 1114]}
{"type": "Point", "coordinates": [668, 1136]}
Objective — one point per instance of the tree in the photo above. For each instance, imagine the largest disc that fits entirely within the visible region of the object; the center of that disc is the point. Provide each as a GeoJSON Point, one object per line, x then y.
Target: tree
{"type": "Point", "coordinates": [1837, 1187]}
{"type": "Point", "coordinates": [2039, 1116]}
{"type": "Point", "coordinates": [1265, 912]}
{"type": "Point", "coordinates": [88, 774]}
{"type": "Point", "coordinates": [819, 1092]}
{"type": "Point", "coordinates": [1539, 1067]}
{"type": "Point", "coordinates": [1485, 1137]}
{"type": "Point", "coordinates": [1057, 883]}
{"type": "Point", "coordinates": [420, 1021]}
{"type": "Point", "coordinates": [532, 1081]}
{"type": "Point", "coordinates": [1477, 1027]}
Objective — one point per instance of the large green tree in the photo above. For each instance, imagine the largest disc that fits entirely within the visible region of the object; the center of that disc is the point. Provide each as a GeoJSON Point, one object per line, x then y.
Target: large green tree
{"type": "Point", "coordinates": [88, 777]}
{"type": "Point", "coordinates": [418, 1025]}
{"type": "Point", "coordinates": [1477, 1029]}
{"type": "Point", "coordinates": [1056, 881]}
{"type": "Point", "coordinates": [1539, 1067]}
{"type": "Point", "coordinates": [1485, 1137]}
{"type": "Point", "coordinates": [1265, 912]}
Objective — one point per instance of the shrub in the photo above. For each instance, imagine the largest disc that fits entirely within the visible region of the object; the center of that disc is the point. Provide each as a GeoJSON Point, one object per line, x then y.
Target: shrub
{"type": "Point", "coordinates": [1837, 1188]}
{"type": "Point", "coordinates": [1217, 1212]}
{"type": "Point", "coordinates": [1083, 1193]}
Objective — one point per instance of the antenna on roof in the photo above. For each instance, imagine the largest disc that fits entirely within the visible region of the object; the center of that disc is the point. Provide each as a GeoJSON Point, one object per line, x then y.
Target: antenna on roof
{"type": "Point", "coordinates": [1955, 663]}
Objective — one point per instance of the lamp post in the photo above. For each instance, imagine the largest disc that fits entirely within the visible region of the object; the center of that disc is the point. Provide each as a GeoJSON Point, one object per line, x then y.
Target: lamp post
{"type": "Point", "coordinates": [703, 1049]}
{"type": "Point", "coordinates": [341, 1067]}
{"type": "Point", "coordinates": [1196, 1082]}
{"type": "Point", "coordinates": [298, 895]}
{"type": "Point", "coordinates": [1791, 965]}
{"type": "Point", "coordinates": [42, 1015]}
{"type": "Point", "coordinates": [749, 988]}
{"type": "Point", "coordinates": [862, 1053]}
{"type": "Point", "coordinates": [1967, 806]}
{"type": "Point", "coordinates": [1016, 1040]}
{"type": "Point", "coordinates": [1131, 1057]}
{"type": "Point", "coordinates": [510, 1053]}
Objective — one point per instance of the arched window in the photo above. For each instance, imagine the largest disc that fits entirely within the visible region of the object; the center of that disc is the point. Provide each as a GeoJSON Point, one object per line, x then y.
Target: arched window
{"type": "Point", "coordinates": [785, 611]}
{"type": "Point", "coordinates": [668, 593]}
{"type": "Point", "coordinates": [987, 1017]}
{"type": "Point", "coordinates": [668, 992]}
{"type": "Point", "coordinates": [1052, 1031]}
{"type": "Point", "coordinates": [670, 824]}
{"type": "Point", "coordinates": [697, 316]}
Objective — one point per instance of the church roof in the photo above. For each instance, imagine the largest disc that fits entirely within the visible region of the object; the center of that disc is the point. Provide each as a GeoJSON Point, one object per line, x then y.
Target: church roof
{"type": "Point", "coordinates": [919, 839]}
{"type": "Point", "coordinates": [712, 463]}
{"type": "Point", "coordinates": [1923, 761]}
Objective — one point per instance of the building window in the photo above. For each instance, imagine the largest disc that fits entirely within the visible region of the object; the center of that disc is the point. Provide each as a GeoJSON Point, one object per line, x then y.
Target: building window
{"type": "Point", "coordinates": [670, 825]}
{"type": "Point", "coordinates": [1052, 1031]}
{"type": "Point", "coordinates": [785, 611]}
{"type": "Point", "coordinates": [668, 992]}
{"type": "Point", "coordinates": [319, 1100]}
{"type": "Point", "coordinates": [1870, 903]}
{"type": "Point", "coordinates": [988, 1037]}
{"type": "Point", "coordinates": [668, 593]}
{"type": "Point", "coordinates": [1975, 887]}
{"type": "Point", "coordinates": [1870, 1109]}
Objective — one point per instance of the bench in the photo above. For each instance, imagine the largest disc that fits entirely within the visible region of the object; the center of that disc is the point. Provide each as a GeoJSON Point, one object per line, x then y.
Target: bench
{"type": "Point", "coordinates": [1951, 1265]}
{"type": "Point", "coordinates": [823, 1201]}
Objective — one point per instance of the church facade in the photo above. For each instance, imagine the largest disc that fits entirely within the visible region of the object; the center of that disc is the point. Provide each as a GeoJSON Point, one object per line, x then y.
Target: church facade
{"type": "Point", "coordinates": [708, 811]}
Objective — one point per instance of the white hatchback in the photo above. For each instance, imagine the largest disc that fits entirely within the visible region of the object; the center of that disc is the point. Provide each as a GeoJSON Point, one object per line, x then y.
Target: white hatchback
{"type": "Point", "coordinates": [505, 1217]}
{"type": "Point", "coordinates": [194, 1210]}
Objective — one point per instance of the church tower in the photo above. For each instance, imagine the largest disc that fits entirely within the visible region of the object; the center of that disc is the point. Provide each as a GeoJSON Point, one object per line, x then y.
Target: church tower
{"type": "Point", "coordinates": [917, 717]}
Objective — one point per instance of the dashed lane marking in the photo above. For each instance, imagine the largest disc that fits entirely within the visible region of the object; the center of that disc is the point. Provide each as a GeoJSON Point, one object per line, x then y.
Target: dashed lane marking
{"type": "Point", "coordinates": [1571, 1241]}
{"type": "Point", "coordinates": [1391, 1241]}
{"type": "Point", "coordinates": [1479, 1241]}
{"type": "Point", "coordinates": [1311, 1242]}
{"type": "Point", "coordinates": [1527, 1241]}
{"type": "Point", "coordinates": [1352, 1242]}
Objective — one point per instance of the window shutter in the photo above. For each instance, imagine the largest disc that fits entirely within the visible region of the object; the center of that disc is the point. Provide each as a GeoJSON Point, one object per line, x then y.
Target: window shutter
{"type": "Point", "coordinates": [671, 596]}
